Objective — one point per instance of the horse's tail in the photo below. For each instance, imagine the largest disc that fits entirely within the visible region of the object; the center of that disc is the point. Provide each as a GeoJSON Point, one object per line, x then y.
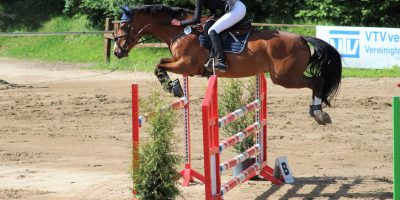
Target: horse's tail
{"type": "Point", "coordinates": [326, 63]}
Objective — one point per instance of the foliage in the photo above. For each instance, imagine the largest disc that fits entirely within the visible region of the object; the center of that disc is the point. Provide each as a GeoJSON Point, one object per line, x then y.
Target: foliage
{"type": "Point", "coordinates": [352, 13]}
{"type": "Point", "coordinates": [233, 98]}
{"type": "Point", "coordinates": [2, 17]}
{"type": "Point", "coordinates": [97, 10]}
{"type": "Point", "coordinates": [337, 12]}
{"type": "Point", "coordinates": [274, 11]}
{"type": "Point", "coordinates": [260, 10]}
{"type": "Point", "coordinates": [156, 178]}
{"type": "Point", "coordinates": [27, 14]}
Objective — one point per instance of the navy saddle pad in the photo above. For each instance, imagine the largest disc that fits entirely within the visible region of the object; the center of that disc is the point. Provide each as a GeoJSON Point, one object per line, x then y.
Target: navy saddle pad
{"type": "Point", "coordinates": [232, 44]}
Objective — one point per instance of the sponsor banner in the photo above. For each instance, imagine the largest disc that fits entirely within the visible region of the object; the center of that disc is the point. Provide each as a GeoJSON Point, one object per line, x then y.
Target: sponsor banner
{"type": "Point", "coordinates": [364, 47]}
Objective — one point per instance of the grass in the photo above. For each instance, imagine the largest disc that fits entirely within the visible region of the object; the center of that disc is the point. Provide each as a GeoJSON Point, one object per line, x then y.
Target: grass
{"type": "Point", "coordinates": [89, 49]}
{"type": "Point", "coordinates": [56, 48]}
{"type": "Point", "coordinates": [76, 48]}
{"type": "Point", "coordinates": [372, 73]}
{"type": "Point", "coordinates": [140, 59]}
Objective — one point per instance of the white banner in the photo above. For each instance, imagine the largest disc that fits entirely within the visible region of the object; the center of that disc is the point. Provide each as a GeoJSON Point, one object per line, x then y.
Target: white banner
{"type": "Point", "coordinates": [364, 47]}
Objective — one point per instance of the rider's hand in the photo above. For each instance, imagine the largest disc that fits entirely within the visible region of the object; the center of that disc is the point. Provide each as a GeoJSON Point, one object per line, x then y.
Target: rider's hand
{"type": "Point", "coordinates": [175, 22]}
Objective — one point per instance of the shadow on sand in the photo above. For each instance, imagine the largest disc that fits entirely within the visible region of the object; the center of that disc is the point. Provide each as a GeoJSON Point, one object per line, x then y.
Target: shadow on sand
{"type": "Point", "coordinates": [321, 183]}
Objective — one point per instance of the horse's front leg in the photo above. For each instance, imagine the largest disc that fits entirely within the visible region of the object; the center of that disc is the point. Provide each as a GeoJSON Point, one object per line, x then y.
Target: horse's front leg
{"type": "Point", "coordinates": [167, 60]}
{"type": "Point", "coordinates": [170, 86]}
{"type": "Point", "coordinates": [164, 79]}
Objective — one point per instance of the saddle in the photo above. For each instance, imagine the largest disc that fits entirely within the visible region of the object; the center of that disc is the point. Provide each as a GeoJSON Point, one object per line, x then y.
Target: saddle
{"type": "Point", "coordinates": [234, 39]}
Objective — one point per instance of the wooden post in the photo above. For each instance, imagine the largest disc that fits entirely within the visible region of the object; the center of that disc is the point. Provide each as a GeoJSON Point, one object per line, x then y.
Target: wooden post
{"type": "Point", "coordinates": [116, 26]}
{"type": "Point", "coordinates": [107, 41]}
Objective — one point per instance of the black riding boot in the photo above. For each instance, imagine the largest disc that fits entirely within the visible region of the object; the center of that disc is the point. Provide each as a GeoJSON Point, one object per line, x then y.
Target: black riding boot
{"type": "Point", "coordinates": [217, 53]}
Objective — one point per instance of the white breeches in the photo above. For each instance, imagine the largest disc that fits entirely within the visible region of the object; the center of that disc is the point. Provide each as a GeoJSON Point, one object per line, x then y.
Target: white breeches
{"type": "Point", "coordinates": [230, 18]}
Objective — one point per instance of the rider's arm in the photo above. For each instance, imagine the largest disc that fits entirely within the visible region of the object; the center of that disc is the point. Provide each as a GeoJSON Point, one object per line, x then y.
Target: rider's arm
{"type": "Point", "coordinates": [197, 14]}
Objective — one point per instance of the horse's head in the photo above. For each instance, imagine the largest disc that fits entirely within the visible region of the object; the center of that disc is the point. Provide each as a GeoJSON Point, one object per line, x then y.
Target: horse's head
{"type": "Point", "coordinates": [138, 22]}
{"type": "Point", "coordinates": [126, 36]}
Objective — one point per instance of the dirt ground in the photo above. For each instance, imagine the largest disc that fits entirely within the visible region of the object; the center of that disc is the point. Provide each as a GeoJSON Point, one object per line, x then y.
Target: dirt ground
{"type": "Point", "coordinates": [65, 134]}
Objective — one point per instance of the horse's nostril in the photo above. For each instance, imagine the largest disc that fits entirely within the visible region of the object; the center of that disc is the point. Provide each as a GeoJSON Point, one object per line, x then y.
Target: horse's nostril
{"type": "Point", "coordinates": [115, 53]}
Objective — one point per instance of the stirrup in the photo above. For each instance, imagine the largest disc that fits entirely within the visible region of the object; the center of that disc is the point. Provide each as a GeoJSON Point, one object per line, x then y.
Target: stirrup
{"type": "Point", "coordinates": [209, 64]}
{"type": "Point", "coordinates": [215, 65]}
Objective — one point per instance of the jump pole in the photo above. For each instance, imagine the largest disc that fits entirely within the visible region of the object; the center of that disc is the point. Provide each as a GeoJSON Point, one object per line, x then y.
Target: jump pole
{"type": "Point", "coordinates": [213, 147]}
{"type": "Point", "coordinates": [135, 130]}
{"type": "Point", "coordinates": [396, 148]}
{"type": "Point", "coordinates": [188, 173]}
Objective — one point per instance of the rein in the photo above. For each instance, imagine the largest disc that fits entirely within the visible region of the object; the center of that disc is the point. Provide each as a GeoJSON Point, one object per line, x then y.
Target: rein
{"type": "Point", "coordinates": [128, 41]}
{"type": "Point", "coordinates": [196, 27]}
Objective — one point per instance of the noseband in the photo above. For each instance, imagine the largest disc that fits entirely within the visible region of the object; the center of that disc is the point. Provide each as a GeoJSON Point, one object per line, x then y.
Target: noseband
{"type": "Point", "coordinates": [128, 40]}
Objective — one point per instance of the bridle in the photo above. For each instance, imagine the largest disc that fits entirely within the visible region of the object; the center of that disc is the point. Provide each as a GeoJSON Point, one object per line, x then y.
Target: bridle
{"type": "Point", "coordinates": [128, 40]}
{"type": "Point", "coordinates": [126, 35]}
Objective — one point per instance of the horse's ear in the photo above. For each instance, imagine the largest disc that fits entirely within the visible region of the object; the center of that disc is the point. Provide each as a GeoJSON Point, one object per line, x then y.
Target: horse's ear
{"type": "Point", "coordinates": [127, 14]}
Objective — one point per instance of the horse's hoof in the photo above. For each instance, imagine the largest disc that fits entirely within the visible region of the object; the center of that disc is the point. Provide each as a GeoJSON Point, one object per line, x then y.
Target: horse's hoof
{"type": "Point", "coordinates": [176, 88]}
{"type": "Point", "coordinates": [327, 118]}
{"type": "Point", "coordinates": [319, 117]}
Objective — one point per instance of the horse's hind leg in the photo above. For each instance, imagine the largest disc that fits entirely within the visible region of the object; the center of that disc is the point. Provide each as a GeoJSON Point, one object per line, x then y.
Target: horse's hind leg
{"type": "Point", "coordinates": [320, 116]}
{"type": "Point", "coordinates": [302, 81]}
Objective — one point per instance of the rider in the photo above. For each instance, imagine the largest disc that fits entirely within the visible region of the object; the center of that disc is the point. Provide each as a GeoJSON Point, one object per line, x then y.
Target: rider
{"type": "Point", "coordinates": [234, 11]}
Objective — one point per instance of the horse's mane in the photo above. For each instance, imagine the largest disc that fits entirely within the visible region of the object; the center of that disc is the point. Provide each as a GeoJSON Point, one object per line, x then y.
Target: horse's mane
{"type": "Point", "coordinates": [153, 9]}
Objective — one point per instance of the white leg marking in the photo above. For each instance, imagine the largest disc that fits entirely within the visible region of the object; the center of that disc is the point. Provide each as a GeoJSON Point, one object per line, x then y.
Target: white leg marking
{"type": "Point", "coordinates": [317, 101]}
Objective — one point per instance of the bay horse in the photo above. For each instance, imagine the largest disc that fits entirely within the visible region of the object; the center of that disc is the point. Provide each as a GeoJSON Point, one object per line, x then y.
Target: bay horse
{"type": "Point", "coordinates": [286, 56]}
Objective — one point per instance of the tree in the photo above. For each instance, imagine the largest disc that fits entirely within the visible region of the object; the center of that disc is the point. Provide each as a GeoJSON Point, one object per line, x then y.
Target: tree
{"type": "Point", "coordinates": [352, 13]}
{"type": "Point", "coordinates": [28, 14]}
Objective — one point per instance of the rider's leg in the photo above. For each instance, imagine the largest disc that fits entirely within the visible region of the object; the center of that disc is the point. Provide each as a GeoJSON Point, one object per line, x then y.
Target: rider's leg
{"type": "Point", "coordinates": [217, 52]}
{"type": "Point", "coordinates": [229, 19]}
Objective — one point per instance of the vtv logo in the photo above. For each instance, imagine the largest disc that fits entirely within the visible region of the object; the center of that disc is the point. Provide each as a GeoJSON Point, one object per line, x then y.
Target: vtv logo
{"type": "Point", "coordinates": [346, 42]}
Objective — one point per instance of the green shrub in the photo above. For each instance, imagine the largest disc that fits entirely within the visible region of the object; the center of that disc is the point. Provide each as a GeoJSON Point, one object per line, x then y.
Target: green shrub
{"type": "Point", "coordinates": [156, 178]}
{"type": "Point", "coordinates": [236, 94]}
